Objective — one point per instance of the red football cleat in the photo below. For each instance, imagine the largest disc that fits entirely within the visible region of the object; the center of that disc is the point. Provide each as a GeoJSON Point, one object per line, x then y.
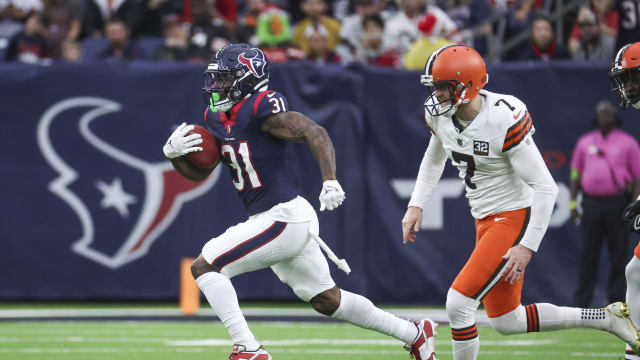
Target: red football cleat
{"type": "Point", "coordinates": [424, 346]}
{"type": "Point", "coordinates": [240, 353]}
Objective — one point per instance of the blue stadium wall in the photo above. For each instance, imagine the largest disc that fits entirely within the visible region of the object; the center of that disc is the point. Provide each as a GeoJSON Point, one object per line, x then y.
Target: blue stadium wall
{"type": "Point", "coordinates": [73, 134]}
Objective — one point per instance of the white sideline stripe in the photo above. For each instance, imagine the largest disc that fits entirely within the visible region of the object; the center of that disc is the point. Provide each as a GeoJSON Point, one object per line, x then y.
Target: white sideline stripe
{"type": "Point", "coordinates": [439, 316]}
{"type": "Point", "coordinates": [599, 355]}
{"type": "Point", "coordinates": [226, 342]}
{"type": "Point", "coordinates": [316, 341]}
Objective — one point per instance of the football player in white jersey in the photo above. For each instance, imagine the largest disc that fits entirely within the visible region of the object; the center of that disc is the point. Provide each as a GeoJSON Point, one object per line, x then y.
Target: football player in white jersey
{"type": "Point", "coordinates": [488, 137]}
{"type": "Point", "coordinates": [625, 74]}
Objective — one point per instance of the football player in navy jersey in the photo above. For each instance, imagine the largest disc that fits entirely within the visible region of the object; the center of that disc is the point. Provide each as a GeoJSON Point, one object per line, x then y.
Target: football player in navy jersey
{"type": "Point", "coordinates": [251, 125]}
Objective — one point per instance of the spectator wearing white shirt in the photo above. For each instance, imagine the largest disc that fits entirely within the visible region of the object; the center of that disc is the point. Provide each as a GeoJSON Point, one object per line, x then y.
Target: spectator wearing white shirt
{"type": "Point", "coordinates": [351, 29]}
{"type": "Point", "coordinates": [402, 29]}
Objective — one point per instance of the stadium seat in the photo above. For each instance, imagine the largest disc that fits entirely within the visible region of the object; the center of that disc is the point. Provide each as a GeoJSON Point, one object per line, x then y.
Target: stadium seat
{"type": "Point", "coordinates": [146, 47]}
{"type": "Point", "coordinates": [92, 48]}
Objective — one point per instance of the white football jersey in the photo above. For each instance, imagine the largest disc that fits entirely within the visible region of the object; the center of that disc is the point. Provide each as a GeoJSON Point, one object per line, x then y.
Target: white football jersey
{"type": "Point", "coordinates": [479, 151]}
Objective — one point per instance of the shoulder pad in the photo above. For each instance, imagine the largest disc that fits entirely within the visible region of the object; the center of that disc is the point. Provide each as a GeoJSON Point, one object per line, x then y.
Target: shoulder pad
{"type": "Point", "coordinates": [268, 103]}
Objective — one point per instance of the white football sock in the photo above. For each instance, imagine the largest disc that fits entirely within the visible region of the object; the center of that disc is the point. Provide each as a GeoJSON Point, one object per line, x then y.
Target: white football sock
{"type": "Point", "coordinates": [464, 333]}
{"type": "Point", "coordinates": [551, 317]}
{"type": "Point", "coordinates": [359, 311]}
{"type": "Point", "coordinates": [466, 350]}
{"type": "Point", "coordinates": [224, 302]}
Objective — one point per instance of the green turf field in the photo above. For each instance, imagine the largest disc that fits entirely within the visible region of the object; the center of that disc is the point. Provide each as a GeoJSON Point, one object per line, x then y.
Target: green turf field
{"type": "Point", "coordinates": [284, 340]}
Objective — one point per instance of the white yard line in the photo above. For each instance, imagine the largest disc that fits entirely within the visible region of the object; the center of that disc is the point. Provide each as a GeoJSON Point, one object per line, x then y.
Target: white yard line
{"type": "Point", "coordinates": [342, 342]}
{"type": "Point", "coordinates": [93, 350]}
{"type": "Point", "coordinates": [413, 313]}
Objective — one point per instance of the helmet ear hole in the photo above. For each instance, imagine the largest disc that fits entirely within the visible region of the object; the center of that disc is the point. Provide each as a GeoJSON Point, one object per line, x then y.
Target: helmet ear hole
{"type": "Point", "coordinates": [236, 94]}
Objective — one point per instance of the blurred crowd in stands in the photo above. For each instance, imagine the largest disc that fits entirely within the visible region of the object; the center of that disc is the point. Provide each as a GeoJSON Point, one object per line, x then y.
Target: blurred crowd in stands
{"type": "Point", "coordinates": [392, 33]}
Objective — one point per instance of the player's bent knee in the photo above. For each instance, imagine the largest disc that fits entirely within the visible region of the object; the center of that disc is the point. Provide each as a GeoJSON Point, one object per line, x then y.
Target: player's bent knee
{"type": "Point", "coordinates": [460, 309]}
{"type": "Point", "coordinates": [510, 323]}
{"type": "Point", "coordinates": [327, 302]}
{"type": "Point", "coordinates": [201, 266]}
{"type": "Point", "coordinates": [632, 271]}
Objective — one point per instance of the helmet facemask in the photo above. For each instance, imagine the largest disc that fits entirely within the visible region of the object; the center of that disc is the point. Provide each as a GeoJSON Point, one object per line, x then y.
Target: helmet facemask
{"type": "Point", "coordinates": [455, 89]}
{"type": "Point", "coordinates": [626, 85]}
{"type": "Point", "coordinates": [236, 72]}
{"type": "Point", "coordinates": [218, 89]}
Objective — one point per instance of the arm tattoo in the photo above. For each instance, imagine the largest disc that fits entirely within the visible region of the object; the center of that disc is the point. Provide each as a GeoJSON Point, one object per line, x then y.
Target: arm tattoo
{"type": "Point", "coordinates": [294, 126]}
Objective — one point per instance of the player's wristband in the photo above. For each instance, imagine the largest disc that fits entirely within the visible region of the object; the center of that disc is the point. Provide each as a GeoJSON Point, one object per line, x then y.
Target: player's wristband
{"type": "Point", "coordinates": [572, 205]}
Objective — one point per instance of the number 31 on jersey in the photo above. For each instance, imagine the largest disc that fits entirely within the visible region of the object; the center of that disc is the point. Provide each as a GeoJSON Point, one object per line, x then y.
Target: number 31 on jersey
{"type": "Point", "coordinates": [238, 172]}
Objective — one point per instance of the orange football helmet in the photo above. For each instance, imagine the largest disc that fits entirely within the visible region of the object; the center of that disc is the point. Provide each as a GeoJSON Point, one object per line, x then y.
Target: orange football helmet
{"type": "Point", "coordinates": [458, 67]}
{"type": "Point", "coordinates": [625, 75]}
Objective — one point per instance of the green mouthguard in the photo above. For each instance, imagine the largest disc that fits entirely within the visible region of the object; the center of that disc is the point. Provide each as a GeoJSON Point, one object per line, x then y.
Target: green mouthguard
{"type": "Point", "coordinates": [215, 97]}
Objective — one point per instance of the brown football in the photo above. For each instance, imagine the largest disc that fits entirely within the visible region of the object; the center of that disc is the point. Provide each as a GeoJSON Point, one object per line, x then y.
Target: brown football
{"type": "Point", "coordinates": [208, 157]}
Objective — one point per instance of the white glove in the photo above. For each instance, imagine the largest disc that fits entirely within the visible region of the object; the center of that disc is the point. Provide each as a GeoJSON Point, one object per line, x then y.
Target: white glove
{"type": "Point", "coordinates": [331, 195]}
{"type": "Point", "coordinates": [180, 144]}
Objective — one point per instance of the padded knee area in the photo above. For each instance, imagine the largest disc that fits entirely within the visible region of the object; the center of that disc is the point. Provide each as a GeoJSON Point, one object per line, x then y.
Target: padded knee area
{"type": "Point", "coordinates": [200, 266]}
{"type": "Point", "coordinates": [632, 271]}
{"type": "Point", "coordinates": [514, 322]}
{"type": "Point", "coordinates": [326, 302]}
{"type": "Point", "coordinates": [461, 309]}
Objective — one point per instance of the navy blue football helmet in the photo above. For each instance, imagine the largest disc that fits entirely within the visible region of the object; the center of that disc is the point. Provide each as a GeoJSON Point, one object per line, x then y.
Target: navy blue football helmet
{"type": "Point", "coordinates": [236, 71]}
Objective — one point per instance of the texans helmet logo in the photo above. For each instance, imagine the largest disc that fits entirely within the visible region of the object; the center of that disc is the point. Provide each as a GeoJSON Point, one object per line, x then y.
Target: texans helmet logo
{"type": "Point", "coordinates": [123, 203]}
{"type": "Point", "coordinates": [254, 63]}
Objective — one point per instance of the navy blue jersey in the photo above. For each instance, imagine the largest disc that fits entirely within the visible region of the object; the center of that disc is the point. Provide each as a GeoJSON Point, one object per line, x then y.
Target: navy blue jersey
{"type": "Point", "coordinates": [255, 158]}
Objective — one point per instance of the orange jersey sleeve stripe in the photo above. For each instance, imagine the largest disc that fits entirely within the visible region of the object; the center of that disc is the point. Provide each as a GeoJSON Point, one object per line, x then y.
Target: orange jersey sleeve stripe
{"type": "Point", "coordinates": [518, 128]}
{"type": "Point", "coordinates": [515, 128]}
{"type": "Point", "coordinates": [516, 139]}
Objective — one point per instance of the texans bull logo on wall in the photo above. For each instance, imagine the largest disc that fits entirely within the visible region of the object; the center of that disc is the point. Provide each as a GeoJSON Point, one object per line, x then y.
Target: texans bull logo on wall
{"type": "Point", "coordinates": [122, 202]}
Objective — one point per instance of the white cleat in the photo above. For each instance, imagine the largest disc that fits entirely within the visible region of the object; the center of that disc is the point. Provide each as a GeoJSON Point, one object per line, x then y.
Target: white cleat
{"type": "Point", "coordinates": [622, 326]}
{"type": "Point", "coordinates": [240, 353]}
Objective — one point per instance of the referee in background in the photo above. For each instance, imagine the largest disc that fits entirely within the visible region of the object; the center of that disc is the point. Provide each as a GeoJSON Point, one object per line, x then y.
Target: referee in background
{"type": "Point", "coordinates": [605, 167]}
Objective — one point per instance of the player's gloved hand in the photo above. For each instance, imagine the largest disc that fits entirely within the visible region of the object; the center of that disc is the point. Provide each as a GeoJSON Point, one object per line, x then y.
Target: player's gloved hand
{"type": "Point", "coordinates": [631, 216]}
{"type": "Point", "coordinates": [180, 143]}
{"type": "Point", "coordinates": [331, 195]}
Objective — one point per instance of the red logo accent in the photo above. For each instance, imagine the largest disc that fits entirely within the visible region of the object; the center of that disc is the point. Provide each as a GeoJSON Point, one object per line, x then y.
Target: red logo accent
{"type": "Point", "coordinates": [255, 63]}
{"type": "Point", "coordinates": [517, 115]}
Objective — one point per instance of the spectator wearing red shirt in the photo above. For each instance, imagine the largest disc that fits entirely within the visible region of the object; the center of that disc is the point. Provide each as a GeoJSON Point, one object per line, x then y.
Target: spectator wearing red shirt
{"type": "Point", "coordinates": [594, 44]}
{"type": "Point", "coordinates": [369, 50]}
{"type": "Point", "coordinates": [607, 17]}
{"type": "Point", "coordinates": [542, 45]}
{"type": "Point", "coordinates": [29, 45]}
